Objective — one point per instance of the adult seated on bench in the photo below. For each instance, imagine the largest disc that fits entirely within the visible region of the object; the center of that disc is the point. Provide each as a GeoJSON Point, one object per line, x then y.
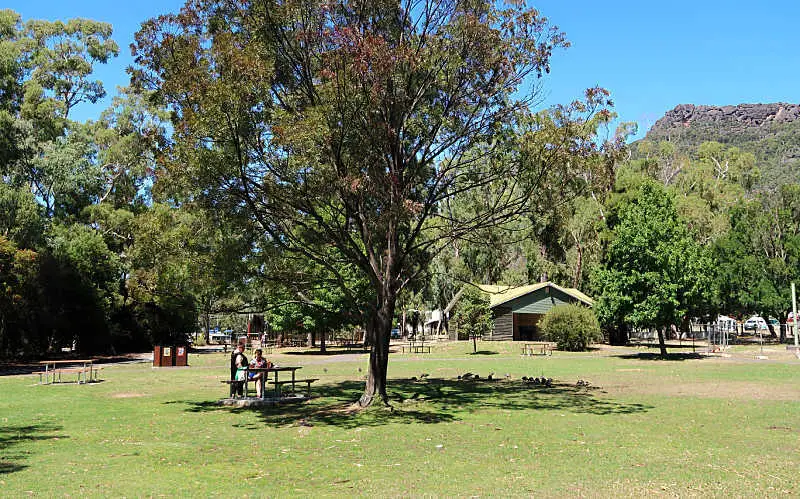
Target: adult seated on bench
{"type": "Point", "coordinates": [238, 371]}
{"type": "Point", "coordinates": [261, 363]}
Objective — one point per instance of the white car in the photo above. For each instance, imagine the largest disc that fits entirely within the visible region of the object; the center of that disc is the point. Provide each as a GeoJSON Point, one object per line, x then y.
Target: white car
{"type": "Point", "coordinates": [223, 337]}
{"type": "Point", "coordinates": [755, 323]}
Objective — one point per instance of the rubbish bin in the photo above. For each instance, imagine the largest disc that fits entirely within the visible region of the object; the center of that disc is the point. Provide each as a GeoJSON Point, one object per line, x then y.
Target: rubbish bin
{"type": "Point", "coordinates": [170, 356]}
{"type": "Point", "coordinates": [163, 356]}
{"type": "Point", "coordinates": [181, 356]}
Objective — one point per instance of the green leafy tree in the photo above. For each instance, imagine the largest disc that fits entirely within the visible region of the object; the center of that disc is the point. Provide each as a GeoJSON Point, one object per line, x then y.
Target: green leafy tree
{"type": "Point", "coordinates": [760, 256]}
{"type": "Point", "coordinates": [85, 279]}
{"type": "Point", "coordinates": [62, 56]}
{"type": "Point", "coordinates": [46, 73]}
{"type": "Point", "coordinates": [654, 273]}
{"type": "Point", "coordinates": [19, 297]}
{"type": "Point", "coordinates": [167, 259]}
{"type": "Point", "coordinates": [473, 315]}
{"type": "Point", "coordinates": [21, 218]}
{"type": "Point", "coordinates": [340, 129]}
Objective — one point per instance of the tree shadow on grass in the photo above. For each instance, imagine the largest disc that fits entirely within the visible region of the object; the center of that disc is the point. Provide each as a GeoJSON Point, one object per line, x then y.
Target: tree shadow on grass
{"type": "Point", "coordinates": [12, 460]}
{"type": "Point", "coordinates": [430, 401]}
{"type": "Point", "coordinates": [328, 351]}
{"type": "Point", "coordinates": [484, 352]}
{"type": "Point", "coordinates": [657, 356]}
{"type": "Point", "coordinates": [685, 345]}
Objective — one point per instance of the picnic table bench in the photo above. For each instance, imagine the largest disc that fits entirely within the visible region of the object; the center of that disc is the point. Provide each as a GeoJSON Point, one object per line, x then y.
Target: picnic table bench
{"type": "Point", "coordinates": [416, 347]}
{"type": "Point", "coordinates": [307, 381]}
{"type": "Point", "coordinates": [52, 372]}
{"type": "Point", "coordinates": [537, 348]}
{"type": "Point", "coordinates": [278, 383]}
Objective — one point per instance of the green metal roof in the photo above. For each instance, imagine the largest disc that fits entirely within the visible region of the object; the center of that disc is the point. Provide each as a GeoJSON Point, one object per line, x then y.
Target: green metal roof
{"type": "Point", "coordinates": [499, 294]}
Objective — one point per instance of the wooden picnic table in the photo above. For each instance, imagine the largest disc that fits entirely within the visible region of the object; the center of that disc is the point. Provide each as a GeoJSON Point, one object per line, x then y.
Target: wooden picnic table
{"type": "Point", "coordinates": [263, 381]}
{"type": "Point", "coordinates": [537, 348]}
{"type": "Point", "coordinates": [416, 347]}
{"type": "Point", "coordinates": [51, 369]}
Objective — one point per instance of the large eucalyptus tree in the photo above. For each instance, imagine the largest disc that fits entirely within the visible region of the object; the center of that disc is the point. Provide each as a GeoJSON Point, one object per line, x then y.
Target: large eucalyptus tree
{"type": "Point", "coordinates": [341, 128]}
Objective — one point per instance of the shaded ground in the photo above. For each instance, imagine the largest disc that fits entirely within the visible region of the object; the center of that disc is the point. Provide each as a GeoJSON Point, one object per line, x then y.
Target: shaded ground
{"type": "Point", "coordinates": [33, 367]}
{"type": "Point", "coordinates": [12, 459]}
{"type": "Point", "coordinates": [428, 401]}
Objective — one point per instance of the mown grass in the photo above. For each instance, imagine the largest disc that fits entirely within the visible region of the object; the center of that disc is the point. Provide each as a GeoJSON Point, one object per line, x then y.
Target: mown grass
{"type": "Point", "coordinates": [686, 426]}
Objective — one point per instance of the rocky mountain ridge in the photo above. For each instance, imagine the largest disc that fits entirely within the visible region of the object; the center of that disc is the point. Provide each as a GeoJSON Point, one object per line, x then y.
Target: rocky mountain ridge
{"type": "Point", "coordinates": [771, 132]}
{"type": "Point", "coordinates": [733, 117]}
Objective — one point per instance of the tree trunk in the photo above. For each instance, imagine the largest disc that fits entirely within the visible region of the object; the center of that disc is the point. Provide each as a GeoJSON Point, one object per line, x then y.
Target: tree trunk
{"type": "Point", "coordinates": [322, 341]}
{"type": "Point", "coordinates": [576, 279]}
{"type": "Point", "coordinates": [543, 253]}
{"type": "Point", "coordinates": [378, 332]}
{"type": "Point", "coordinates": [207, 322]}
{"type": "Point", "coordinates": [661, 344]}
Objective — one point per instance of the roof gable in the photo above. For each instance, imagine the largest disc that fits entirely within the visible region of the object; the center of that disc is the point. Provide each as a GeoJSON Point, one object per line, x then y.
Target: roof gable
{"type": "Point", "coordinates": [499, 294]}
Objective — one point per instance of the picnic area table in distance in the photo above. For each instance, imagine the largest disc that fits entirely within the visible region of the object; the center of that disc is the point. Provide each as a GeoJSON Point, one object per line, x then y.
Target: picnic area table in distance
{"type": "Point", "coordinates": [416, 346]}
{"type": "Point", "coordinates": [51, 369]}
{"type": "Point", "coordinates": [537, 348]}
{"type": "Point", "coordinates": [351, 346]}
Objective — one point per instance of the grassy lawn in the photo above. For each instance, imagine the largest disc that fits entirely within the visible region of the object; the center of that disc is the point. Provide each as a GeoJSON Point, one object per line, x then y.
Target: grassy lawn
{"type": "Point", "coordinates": [688, 426]}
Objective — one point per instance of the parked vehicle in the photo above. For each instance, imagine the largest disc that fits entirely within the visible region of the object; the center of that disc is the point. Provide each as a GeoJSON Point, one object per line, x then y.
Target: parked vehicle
{"type": "Point", "coordinates": [755, 323]}
{"type": "Point", "coordinates": [395, 333]}
{"type": "Point", "coordinates": [218, 338]}
{"type": "Point", "coordinates": [790, 319]}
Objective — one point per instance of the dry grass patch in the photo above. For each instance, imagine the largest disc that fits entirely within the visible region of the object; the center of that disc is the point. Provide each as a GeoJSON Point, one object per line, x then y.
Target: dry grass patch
{"type": "Point", "coordinates": [739, 390]}
{"type": "Point", "coordinates": [127, 395]}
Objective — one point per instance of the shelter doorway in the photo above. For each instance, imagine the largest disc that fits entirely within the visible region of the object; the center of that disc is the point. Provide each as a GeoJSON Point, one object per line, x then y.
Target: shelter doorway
{"type": "Point", "coordinates": [527, 333]}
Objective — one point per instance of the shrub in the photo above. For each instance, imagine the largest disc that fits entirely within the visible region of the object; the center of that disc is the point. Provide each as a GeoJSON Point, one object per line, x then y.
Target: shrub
{"type": "Point", "coordinates": [572, 327]}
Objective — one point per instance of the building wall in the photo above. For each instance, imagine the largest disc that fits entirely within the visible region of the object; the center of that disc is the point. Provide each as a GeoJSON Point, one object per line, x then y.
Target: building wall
{"type": "Point", "coordinates": [503, 324]}
{"type": "Point", "coordinates": [526, 311]}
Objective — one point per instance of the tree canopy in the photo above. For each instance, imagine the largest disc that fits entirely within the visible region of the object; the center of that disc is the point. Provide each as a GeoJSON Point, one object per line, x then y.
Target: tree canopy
{"type": "Point", "coordinates": [654, 273]}
{"type": "Point", "coordinates": [342, 129]}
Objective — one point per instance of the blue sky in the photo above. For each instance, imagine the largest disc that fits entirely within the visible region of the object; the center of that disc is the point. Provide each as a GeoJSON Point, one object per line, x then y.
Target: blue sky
{"type": "Point", "coordinates": [652, 56]}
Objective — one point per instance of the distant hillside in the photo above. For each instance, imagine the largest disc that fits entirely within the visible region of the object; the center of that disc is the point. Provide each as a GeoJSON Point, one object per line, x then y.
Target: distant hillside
{"type": "Point", "coordinates": [770, 131]}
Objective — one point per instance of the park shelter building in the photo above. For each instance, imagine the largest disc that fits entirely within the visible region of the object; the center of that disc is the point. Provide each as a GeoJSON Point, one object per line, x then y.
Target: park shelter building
{"type": "Point", "coordinates": [517, 310]}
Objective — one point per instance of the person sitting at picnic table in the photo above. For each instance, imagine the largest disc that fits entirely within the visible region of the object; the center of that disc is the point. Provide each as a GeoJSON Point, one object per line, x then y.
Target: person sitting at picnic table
{"type": "Point", "coordinates": [238, 372]}
{"type": "Point", "coordinates": [261, 363]}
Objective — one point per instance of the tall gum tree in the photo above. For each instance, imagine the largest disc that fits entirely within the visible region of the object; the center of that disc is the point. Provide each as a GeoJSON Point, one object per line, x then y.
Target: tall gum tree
{"type": "Point", "coordinates": [341, 128]}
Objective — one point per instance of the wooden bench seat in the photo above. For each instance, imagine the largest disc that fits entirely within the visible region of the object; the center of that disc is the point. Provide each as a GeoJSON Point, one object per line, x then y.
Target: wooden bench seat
{"type": "Point", "coordinates": [68, 370]}
{"type": "Point", "coordinates": [416, 348]}
{"type": "Point", "coordinates": [307, 381]}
